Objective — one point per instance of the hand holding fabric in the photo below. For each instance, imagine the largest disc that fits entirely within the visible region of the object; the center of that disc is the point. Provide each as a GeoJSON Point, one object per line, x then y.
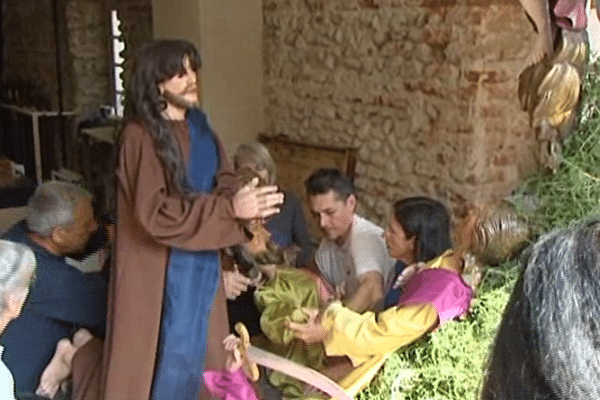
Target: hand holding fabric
{"type": "Point", "coordinates": [313, 330]}
{"type": "Point", "coordinates": [235, 284]}
{"type": "Point", "coordinates": [256, 202]}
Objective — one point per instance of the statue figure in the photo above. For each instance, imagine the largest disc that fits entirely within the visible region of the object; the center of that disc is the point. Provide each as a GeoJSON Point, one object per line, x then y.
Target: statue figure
{"type": "Point", "coordinates": [550, 86]}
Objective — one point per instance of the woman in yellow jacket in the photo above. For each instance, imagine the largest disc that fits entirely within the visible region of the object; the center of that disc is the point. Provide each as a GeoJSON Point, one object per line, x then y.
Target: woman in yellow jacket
{"type": "Point", "coordinates": [433, 292]}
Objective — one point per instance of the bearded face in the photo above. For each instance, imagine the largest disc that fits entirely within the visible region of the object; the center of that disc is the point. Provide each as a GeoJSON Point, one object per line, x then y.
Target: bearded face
{"type": "Point", "coordinates": [184, 100]}
{"type": "Point", "coordinates": [181, 90]}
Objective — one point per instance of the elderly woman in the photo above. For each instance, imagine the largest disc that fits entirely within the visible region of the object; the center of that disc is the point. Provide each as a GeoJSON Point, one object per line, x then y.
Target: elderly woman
{"type": "Point", "coordinates": [17, 264]}
{"type": "Point", "coordinates": [288, 230]}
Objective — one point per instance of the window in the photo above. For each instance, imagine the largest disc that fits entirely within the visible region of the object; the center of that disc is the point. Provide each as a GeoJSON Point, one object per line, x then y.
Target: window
{"type": "Point", "coordinates": [118, 45]}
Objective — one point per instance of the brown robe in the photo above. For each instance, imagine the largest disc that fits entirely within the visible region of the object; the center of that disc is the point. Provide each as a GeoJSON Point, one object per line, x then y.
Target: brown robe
{"type": "Point", "coordinates": [152, 218]}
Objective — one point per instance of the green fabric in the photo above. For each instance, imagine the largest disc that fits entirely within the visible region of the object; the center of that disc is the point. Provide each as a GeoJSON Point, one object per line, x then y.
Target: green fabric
{"type": "Point", "coordinates": [280, 300]}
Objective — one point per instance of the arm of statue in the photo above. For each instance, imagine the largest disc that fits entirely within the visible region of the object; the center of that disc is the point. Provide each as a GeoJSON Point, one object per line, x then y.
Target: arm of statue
{"type": "Point", "coordinates": [368, 293]}
{"type": "Point", "coordinates": [205, 221]}
{"type": "Point", "coordinates": [539, 12]}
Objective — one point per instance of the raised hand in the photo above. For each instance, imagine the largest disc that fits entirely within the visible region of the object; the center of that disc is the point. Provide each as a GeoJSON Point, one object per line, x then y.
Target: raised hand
{"type": "Point", "coordinates": [256, 202]}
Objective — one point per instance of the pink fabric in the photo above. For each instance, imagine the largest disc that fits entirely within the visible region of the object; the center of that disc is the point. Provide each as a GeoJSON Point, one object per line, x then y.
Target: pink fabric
{"type": "Point", "coordinates": [324, 289]}
{"type": "Point", "coordinates": [570, 14]}
{"type": "Point", "coordinates": [229, 385]}
{"type": "Point", "coordinates": [446, 290]}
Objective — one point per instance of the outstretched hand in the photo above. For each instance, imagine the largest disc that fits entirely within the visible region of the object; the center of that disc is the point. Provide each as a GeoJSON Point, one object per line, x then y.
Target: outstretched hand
{"type": "Point", "coordinates": [313, 330]}
{"type": "Point", "coordinates": [408, 273]}
{"type": "Point", "coordinates": [234, 360]}
{"type": "Point", "coordinates": [256, 202]}
{"type": "Point", "coordinates": [235, 284]}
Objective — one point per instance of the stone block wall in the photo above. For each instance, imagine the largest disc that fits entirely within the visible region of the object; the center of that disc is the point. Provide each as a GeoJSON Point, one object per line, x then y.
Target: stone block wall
{"type": "Point", "coordinates": [84, 26]}
{"type": "Point", "coordinates": [425, 89]}
{"type": "Point", "coordinates": [89, 43]}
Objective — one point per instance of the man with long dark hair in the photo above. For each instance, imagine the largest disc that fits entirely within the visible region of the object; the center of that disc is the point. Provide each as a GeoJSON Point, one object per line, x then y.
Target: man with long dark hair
{"type": "Point", "coordinates": [178, 203]}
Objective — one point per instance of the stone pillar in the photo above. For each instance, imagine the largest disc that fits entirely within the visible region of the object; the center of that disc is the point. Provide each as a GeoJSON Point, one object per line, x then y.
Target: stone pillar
{"type": "Point", "coordinates": [229, 36]}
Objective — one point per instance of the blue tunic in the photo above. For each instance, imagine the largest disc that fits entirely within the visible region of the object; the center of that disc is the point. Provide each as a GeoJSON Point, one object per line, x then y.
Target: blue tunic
{"type": "Point", "coordinates": [191, 283]}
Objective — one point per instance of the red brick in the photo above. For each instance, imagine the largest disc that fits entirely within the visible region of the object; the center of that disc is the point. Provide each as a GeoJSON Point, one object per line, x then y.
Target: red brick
{"type": "Point", "coordinates": [438, 3]}
{"type": "Point", "coordinates": [502, 160]}
{"type": "Point", "coordinates": [472, 76]}
{"type": "Point", "coordinates": [368, 4]}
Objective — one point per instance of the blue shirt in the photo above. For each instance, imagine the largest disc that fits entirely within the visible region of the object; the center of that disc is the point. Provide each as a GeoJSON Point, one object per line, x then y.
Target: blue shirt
{"type": "Point", "coordinates": [392, 297]}
{"type": "Point", "coordinates": [61, 300]}
{"type": "Point", "coordinates": [288, 227]}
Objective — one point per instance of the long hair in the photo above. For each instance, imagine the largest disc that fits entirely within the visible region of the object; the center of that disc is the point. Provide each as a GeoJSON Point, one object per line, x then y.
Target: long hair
{"type": "Point", "coordinates": [154, 63]}
{"type": "Point", "coordinates": [548, 343]}
{"type": "Point", "coordinates": [428, 221]}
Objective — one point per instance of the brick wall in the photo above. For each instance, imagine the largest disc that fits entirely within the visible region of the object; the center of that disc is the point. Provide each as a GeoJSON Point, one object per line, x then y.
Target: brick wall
{"type": "Point", "coordinates": [426, 90]}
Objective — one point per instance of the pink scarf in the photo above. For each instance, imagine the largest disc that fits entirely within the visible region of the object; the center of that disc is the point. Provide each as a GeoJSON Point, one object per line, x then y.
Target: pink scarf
{"type": "Point", "coordinates": [228, 385]}
{"type": "Point", "coordinates": [446, 290]}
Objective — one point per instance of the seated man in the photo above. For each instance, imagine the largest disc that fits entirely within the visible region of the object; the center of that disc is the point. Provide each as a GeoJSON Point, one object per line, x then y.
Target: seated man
{"type": "Point", "coordinates": [62, 299]}
{"type": "Point", "coordinates": [352, 257]}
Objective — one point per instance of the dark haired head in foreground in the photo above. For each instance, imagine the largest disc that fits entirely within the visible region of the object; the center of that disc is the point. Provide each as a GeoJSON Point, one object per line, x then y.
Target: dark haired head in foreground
{"type": "Point", "coordinates": [548, 341]}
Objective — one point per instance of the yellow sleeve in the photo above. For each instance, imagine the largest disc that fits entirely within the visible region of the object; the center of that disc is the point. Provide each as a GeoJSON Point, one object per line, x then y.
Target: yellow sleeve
{"type": "Point", "coordinates": [360, 336]}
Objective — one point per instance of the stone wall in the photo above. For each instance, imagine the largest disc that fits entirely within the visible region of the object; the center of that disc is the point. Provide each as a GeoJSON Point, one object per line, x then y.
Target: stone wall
{"type": "Point", "coordinates": [29, 46]}
{"type": "Point", "coordinates": [88, 27]}
{"type": "Point", "coordinates": [425, 89]}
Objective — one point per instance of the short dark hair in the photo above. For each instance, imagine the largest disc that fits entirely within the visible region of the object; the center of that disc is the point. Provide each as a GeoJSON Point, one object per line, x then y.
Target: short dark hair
{"type": "Point", "coordinates": [324, 180]}
{"type": "Point", "coordinates": [547, 343]}
{"type": "Point", "coordinates": [428, 221]}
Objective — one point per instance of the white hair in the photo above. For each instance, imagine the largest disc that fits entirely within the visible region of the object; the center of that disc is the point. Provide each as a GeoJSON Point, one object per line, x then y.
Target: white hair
{"type": "Point", "coordinates": [17, 265]}
{"type": "Point", "coordinates": [53, 206]}
{"type": "Point", "coordinates": [261, 157]}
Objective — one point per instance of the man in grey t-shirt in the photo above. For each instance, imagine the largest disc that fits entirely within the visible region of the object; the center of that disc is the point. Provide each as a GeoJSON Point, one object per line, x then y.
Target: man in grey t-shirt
{"type": "Point", "coordinates": [353, 255]}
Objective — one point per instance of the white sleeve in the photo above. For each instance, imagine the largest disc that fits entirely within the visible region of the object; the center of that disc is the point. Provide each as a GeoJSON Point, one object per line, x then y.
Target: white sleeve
{"type": "Point", "coordinates": [321, 257]}
{"type": "Point", "coordinates": [370, 254]}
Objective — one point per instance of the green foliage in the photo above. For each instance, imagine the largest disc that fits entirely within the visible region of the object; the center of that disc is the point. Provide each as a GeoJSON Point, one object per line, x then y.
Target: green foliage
{"type": "Point", "coordinates": [449, 363]}
{"type": "Point", "coordinates": [573, 192]}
